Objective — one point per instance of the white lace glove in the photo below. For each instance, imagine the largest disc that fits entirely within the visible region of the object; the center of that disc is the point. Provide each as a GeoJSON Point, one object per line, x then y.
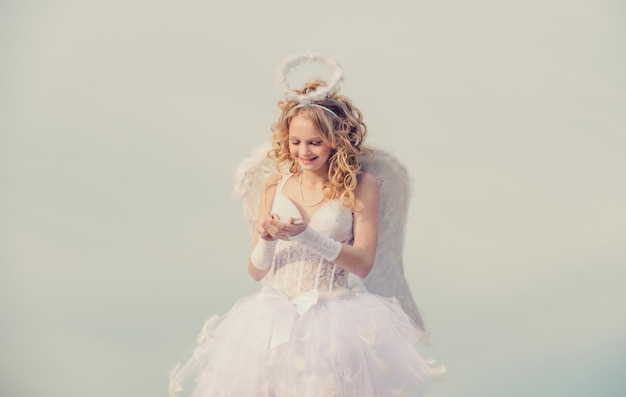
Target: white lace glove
{"type": "Point", "coordinates": [263, 254]}
{"type": "Point", "coordinates": [326, 247]}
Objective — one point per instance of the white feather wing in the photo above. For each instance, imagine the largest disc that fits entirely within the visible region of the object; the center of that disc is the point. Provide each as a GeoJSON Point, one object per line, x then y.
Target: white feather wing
{"type": "Point", "coordinates": [387, 276]}
{"type": "Point", "coordinates": [250, 181]}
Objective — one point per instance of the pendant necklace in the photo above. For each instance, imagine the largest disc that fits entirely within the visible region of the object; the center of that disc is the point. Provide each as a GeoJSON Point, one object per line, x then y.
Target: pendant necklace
{"type": "Point", "coordinates": [302, 195]}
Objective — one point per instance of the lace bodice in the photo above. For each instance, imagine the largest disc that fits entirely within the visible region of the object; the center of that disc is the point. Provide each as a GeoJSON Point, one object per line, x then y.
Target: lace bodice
{"type": "Point", "coordinates": [296, 269]}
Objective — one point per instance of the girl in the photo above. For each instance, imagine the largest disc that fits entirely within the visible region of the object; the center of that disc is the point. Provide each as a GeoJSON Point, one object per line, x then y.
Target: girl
{"type": "Point", "coordinates": [308, 332]}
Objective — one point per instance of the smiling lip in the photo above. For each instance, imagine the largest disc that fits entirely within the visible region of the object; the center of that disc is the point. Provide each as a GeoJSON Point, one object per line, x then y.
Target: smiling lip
{"type": "Point", "coordinates": [307, 161]}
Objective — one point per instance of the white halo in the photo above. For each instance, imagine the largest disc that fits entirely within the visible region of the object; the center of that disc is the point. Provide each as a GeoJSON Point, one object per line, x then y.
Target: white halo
{"type": "Point", "coordinates": [320, 93]}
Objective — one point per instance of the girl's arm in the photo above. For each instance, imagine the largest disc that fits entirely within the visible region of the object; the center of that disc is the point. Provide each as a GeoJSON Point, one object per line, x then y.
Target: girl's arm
{"type": "Point", "coordinates": [359, 257]}
{"type": "Point", "coordinates": [263, 243]}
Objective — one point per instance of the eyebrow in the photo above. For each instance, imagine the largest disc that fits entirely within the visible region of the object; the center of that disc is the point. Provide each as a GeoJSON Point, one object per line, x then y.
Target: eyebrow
{"type": "Point", "coordinates": [310, 140]}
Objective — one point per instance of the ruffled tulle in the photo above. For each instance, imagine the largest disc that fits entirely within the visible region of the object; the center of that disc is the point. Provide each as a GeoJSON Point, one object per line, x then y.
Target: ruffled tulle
{"type": "Point", "coordinates": [345, 345]}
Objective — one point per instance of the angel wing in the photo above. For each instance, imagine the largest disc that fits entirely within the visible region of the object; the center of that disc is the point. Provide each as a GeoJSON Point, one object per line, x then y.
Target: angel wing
{"type": "Point", "coordinates": [250, 181]}
{"type": "Point", "coordinates": [387, 276]}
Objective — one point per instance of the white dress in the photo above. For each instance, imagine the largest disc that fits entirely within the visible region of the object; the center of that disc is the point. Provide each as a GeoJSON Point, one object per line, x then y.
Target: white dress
{"type": "Point", "coordinates": [306, 333]}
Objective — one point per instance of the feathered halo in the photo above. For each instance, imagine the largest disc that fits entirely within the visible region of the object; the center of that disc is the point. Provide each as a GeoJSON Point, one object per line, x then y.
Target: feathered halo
{"type": "Point", "coordinates": [320, 93]}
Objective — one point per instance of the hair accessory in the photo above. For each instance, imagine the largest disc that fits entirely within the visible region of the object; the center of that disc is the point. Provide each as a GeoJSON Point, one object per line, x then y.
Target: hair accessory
{"type": "Point", "coordinates": [315, 105]}
{"type": "Point", "coordinates": [319, 93]}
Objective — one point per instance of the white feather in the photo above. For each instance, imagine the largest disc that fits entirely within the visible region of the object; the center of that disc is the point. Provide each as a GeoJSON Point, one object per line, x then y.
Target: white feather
{"type": "Point", "coordinates": [250, 181]}
{"type": "Point", "coordinates": [387, 276]}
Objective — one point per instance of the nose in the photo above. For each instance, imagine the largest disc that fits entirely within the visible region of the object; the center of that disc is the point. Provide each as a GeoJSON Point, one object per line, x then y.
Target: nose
{"type": "Point", "coordinates": [305, 150]}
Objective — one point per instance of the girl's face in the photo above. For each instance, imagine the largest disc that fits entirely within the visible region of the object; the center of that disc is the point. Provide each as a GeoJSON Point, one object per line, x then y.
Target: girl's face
{"type": "Point", "coordinates": [307, 146]}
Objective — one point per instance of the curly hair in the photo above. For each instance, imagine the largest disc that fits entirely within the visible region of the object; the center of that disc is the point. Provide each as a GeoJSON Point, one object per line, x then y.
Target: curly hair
{"type": "Point", "coordinates": [344, 134]}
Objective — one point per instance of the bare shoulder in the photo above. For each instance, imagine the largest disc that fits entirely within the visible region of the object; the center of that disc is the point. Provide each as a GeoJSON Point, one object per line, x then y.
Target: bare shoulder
{"type": "Point", "coordinates": [366, 182]}
{"type": "Point", "coordinates": [366, 194]}
{"type": "Point", "coordinates": [271, 182]}
{"type": "Point", "coordinates": [267, 200]}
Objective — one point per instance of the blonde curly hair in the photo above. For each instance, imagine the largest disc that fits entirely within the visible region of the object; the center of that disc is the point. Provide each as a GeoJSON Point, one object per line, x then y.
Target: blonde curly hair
{"type": "Point", "coordinates": [344, 133]}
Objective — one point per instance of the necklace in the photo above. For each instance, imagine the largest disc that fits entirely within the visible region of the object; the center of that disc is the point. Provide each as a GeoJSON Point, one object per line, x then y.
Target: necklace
{"type": "Point", "coordinates": [302, 195]}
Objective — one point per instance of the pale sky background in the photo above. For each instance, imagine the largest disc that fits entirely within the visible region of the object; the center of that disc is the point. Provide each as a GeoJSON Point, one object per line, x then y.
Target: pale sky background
{"type": "Point", "coordinates": [122, 124]}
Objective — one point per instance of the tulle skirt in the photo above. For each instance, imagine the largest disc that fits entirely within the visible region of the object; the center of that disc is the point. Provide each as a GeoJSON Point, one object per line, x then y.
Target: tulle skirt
{"type": "Point", "coordinates": [345, 345]}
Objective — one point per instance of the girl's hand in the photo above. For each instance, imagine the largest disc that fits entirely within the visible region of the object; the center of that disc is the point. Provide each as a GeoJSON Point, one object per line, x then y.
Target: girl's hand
{"type": "Point", "coordinates": [262, 231]}
{"type": "Point", "coordinates": [281, 230]}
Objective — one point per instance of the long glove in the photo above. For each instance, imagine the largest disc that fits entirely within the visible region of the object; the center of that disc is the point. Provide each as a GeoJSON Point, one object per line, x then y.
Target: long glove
{"type": "Point", "coordinates": [326, 247]}
{"type": "Point", "coordinates": [263, 254]}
